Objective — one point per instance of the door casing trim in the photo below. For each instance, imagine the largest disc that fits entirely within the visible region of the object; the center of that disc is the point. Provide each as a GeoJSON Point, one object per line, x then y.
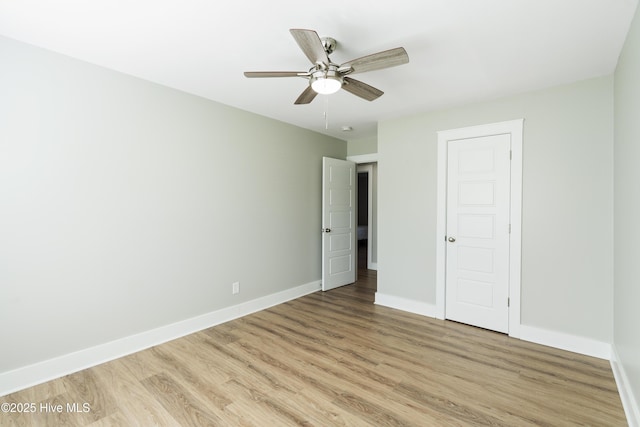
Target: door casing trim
{"type": "Point", "coordinates": [515, 128]}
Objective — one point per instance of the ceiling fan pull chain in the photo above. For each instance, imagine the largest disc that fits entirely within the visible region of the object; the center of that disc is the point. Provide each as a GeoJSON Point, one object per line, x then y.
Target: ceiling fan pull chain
{"type": "Point", "coordinates": [326, 113]}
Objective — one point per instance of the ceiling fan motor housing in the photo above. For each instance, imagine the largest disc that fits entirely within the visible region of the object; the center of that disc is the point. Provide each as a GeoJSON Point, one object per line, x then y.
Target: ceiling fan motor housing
{"type": "Point", "coordinates": [329, 44]}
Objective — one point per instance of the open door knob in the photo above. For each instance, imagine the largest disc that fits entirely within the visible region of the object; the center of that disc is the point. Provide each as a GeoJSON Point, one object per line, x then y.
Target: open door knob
{"type": "Point", "coordinates": [326, 230]}
{"type": "Point", "coordinates": [451, 239]}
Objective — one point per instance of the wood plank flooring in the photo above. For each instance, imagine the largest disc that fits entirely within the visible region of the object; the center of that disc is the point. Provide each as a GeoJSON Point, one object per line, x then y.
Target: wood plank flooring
{"type": "Point", "coordinates": [334, 359]}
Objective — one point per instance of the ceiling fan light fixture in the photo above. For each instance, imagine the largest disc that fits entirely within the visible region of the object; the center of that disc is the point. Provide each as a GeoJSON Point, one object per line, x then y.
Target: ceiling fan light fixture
{"type": "Point", "coordinates": [326, 81]}
{"type": "Point", "coordinates": [326, 86]}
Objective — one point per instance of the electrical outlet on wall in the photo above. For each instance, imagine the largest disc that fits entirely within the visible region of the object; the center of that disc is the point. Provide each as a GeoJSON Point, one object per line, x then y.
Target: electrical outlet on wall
{"type": "Point", "coordinates": [235, 288]}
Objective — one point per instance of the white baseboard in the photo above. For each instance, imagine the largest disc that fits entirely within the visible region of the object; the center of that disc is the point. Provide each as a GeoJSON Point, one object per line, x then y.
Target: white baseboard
{"type": "Point", "coordinates": [373, 266]}
{"type": "Point", "coordinates": [629, 402]}
{"type": "Point", "coordinates": [47, 370]}
{"type": "Point", "coordinates": [405, 304]}
{"type": "Point", "coordinates": [574, 343]}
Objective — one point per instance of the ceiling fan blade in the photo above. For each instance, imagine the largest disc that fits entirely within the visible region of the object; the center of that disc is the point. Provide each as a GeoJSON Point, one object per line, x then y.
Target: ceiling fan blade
{"type": "Point", "coordinates": [306, 97]}
{"type": "Point", "coordinates": [360, 89]}
{"type": "Point", "coordinates": [311, 45]}
{"type": "Point", "coordinates": [275, 73]}
{"type": "Point", "coordinates": [377, 61]}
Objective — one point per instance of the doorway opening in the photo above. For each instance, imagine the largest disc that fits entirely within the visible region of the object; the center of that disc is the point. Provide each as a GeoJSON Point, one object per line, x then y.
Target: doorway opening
{"type": "Point", "coordinates": [363, 234]}
{"type": "Point", "coordinates": [366, 235]}
{"type": "Point", "coordinates": [366, 277]}
{"type": "Point", "coordinates": [363, 217]}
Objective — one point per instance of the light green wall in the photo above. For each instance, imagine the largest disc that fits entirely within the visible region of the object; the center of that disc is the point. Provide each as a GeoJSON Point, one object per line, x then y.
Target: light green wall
{"type": "Point", "coordinates": [126, 206]}
{"type": "Point", "coordinates": [627, 209]}
{"type": "Point", "coordinates": [357, 147]}
{"type": "Point", "coordinates": [567, 236]}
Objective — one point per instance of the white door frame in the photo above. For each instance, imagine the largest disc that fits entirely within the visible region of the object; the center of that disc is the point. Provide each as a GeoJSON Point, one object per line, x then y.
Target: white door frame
{"type": "Point", "coordinates": [515, 128]}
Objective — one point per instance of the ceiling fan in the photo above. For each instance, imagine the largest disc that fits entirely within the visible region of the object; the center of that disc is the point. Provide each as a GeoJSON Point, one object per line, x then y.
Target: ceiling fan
{"type": "Point", "coordinates": [325, 77]}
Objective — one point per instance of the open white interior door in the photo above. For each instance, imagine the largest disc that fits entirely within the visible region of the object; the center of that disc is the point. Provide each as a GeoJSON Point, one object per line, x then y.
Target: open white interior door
{"type": "Point", "coordinates": [338, 223]}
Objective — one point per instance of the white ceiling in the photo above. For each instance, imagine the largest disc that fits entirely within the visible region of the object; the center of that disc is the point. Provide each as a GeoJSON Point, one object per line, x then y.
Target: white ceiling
{"type": "Point", "coordinates": [460, 51]}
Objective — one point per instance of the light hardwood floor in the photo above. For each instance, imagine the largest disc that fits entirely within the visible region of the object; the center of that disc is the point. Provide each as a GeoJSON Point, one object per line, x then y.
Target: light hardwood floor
{"type": "Point", "coordinates": [330, 359]}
